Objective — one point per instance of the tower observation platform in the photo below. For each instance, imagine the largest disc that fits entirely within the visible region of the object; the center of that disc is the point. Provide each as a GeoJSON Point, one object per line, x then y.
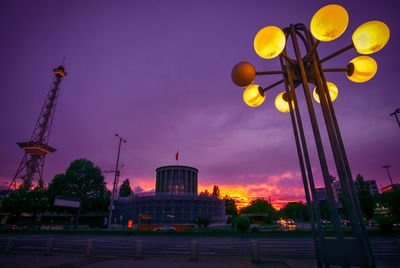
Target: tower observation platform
{"type": "Point", "coordinates": [36, 148]}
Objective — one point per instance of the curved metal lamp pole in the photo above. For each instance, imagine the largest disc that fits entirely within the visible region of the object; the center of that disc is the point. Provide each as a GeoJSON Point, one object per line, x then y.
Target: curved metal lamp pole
{"type": "Point", "coordinates": [307, 68]}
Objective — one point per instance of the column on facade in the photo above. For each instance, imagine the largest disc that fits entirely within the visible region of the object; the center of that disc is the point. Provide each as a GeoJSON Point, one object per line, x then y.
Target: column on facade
{"type": "Point", "coordinates": [189, 176]}
{"type": "Point", "coordinates": [158, 182]}
{"type": "Point", "coordinates": [186, 181]}
{"type": "Point", "coordinates": [165, 180]}
{"type": "Point", "coordinates": [195, 182]}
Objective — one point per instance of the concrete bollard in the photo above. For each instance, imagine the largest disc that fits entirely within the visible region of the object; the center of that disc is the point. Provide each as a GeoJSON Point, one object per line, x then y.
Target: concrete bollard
{"type": "Point", "coordinates": [9, 244]}
{"type": "Point", "coordinates": [255, 251]}
{"type": "Point", "coordinates": [193, 250]}
{"type": "Point", "coordinates": [49, 246]}
{"type": "Point", "coordinates": [89, 247]}
{"type": "Point", "coordinates": [139, 249]}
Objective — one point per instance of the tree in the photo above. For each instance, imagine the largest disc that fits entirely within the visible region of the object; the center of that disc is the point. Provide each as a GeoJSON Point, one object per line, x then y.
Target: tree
{"type": "Point", "coordinates": [260, 205]}
{"type": "Point", "coordinates": [84, 181]}
{"type": "Point", "coordinates": [16, 203]}
{"type": "Point", "coordinates": [242, 223]}
{"type": "Point", "coordinates": [230, 206]}
{"type": "Point", "coordinates": [295, 210]}
{"type": "Point", "coordinates": [324, 210]}
{"type": "Point", "coordinates": [38, 199]}
{"type": "Point", "coordinates": [23, 200]}
{"type": "Point", "coordinates": [367, 201]}
{"type": "Point", "coordinates": [392, 201]}
{"type": "Point", "coordinates": [125, 189]}
{"type": "Point", "coordinates": [205, 193]}
{"type": "Point", "coordinates": [40, 186]}
{"type": "Point", "coordinates": [216, 191]}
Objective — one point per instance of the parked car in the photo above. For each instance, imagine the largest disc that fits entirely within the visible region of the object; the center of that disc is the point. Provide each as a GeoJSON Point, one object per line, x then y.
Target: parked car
{"type": "Point", "coordinates": [165, 228]}
{"type": "Point", "coordinates": [345, 223]}
{"type": "Point", "coordinates": [9, 227]}
{"type": "Point", "coordinates": [290, 222]}
{"type": "Point", "coordinates": [325, 222]}
{"type": "Point", "coordinates": [281, 222]}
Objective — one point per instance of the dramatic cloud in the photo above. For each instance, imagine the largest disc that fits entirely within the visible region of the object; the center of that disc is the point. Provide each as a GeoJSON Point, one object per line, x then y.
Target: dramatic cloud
{"type": "Point", "coordinates": [158, 74]}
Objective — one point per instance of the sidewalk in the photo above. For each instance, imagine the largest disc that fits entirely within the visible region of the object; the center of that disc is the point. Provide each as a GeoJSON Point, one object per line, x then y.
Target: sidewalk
{"type": "Point", "coordinates": [40, 261]}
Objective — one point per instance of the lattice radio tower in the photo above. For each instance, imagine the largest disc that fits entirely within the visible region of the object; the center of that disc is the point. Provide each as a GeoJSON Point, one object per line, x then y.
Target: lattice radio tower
{"type": "Point", "coordinates": [31, 166]}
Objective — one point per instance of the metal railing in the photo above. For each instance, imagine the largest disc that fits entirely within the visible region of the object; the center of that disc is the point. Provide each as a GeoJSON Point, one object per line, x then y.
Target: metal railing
{"type": "Point", "coordinates": [139, 248]}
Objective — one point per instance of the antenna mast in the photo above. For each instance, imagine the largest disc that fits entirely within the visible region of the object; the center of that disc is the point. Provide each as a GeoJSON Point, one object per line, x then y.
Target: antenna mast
{"type": "Point", "coordinates": [32, 163]}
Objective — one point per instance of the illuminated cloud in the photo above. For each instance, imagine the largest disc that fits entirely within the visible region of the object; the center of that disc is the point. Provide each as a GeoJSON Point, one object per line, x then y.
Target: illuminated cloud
{"type": "Point", "coordinates": [280, 188]}
{"type": "Point", "coordinates": [165, 91]}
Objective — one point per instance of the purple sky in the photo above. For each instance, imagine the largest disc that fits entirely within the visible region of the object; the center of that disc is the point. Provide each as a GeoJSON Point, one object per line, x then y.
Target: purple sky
{"type": "Point", "coordinates": [158, 73]}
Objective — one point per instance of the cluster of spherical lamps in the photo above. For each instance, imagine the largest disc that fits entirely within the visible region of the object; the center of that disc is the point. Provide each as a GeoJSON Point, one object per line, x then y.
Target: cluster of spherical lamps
{"type": "Point", "coordinates": [327, 24]}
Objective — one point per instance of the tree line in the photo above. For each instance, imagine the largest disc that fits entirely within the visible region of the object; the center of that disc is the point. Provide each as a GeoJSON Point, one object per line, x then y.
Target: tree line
{"type": "Point", "coordinates": [299, 211]}
{"type": "Point", "coordinates": [82, 180]}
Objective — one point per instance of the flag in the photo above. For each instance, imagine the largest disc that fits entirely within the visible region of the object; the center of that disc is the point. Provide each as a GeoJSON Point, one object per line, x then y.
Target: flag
{"type": "Point", "coordinates": [177, 155]}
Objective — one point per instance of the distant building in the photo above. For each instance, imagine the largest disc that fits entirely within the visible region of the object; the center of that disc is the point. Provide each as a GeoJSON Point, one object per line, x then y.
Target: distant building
{"type": "Point", "coordinates": [373, 187]}
{"type": "Point", "coordinates": [5, 193]}
{"type": "Point", "coordinates": [390, 188]}
{"type": "Point", "coordinates": [337, 187]}
{"type": "Point", "coordinates": [176, 180]}
{"type": "Point", "coordinates": [175, 200]}
{"type": "Point", "coordinates": [320, 194]}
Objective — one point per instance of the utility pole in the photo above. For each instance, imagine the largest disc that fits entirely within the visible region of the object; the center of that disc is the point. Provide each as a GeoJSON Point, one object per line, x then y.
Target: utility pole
{"type": "Point", "coordinates": [397, 111]}
{"type": "Point", "coordinates": [387, 169]}
{"type": "Point", "coordinates": [115, 181]}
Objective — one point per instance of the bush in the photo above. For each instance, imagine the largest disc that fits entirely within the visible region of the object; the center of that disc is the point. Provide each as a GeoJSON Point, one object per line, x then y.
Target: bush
{"type": "Point", "coordinates": [385, 223]}
{"type": "Point", "coordinates": [231, 220]}
{"type": "Point", "coordinates": [268, 220]}
{"type": "Point", "coordinates": [254, 229]}
{"type": "Point", "coordinates": [206, 222]}
{"type": "Point", "coordinates": [242, 224]}
{"type": "Point", "coordinates": [200, 221]}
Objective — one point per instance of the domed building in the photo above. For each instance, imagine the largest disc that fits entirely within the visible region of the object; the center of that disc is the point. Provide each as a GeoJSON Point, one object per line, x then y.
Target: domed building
{"type": "Point", "coordinates": [175, 200]}
{"type": "Point", "coordinates": [176, 180]}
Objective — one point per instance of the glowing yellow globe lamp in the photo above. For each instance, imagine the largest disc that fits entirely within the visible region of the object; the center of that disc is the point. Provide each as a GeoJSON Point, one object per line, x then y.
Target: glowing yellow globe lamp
{"type": "Point", "coordinates": [370, 37]}
{"type": "Point", "coordinates": [269, 42]}
{"type": "Point", "coordinates": [282, 103]}
{"type": "Point", "coordinates": [333, 92]}
{"type": "Point", "coordinates": [243, 74]}
{"type": "Point", "coordinates": [361, 69]}
{"type": "Point", "coordinates": [253, 95]}
{"type": "Point", "coordinates": [329, 22]}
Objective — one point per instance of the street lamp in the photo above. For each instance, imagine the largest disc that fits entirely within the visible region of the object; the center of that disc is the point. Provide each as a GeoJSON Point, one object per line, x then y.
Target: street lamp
{"type": "Point", "coordinates": [387, 170]}
{"type": "Point", "coordinates": [397, 111]}
{"type": "Point", "coordinates": [115, 184]}
{"type": "Point", "coordinates": [327, 24]}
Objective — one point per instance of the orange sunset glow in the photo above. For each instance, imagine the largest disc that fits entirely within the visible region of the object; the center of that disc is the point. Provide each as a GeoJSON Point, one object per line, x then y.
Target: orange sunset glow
{"type": "Point", "coordinates": [243, 194]}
